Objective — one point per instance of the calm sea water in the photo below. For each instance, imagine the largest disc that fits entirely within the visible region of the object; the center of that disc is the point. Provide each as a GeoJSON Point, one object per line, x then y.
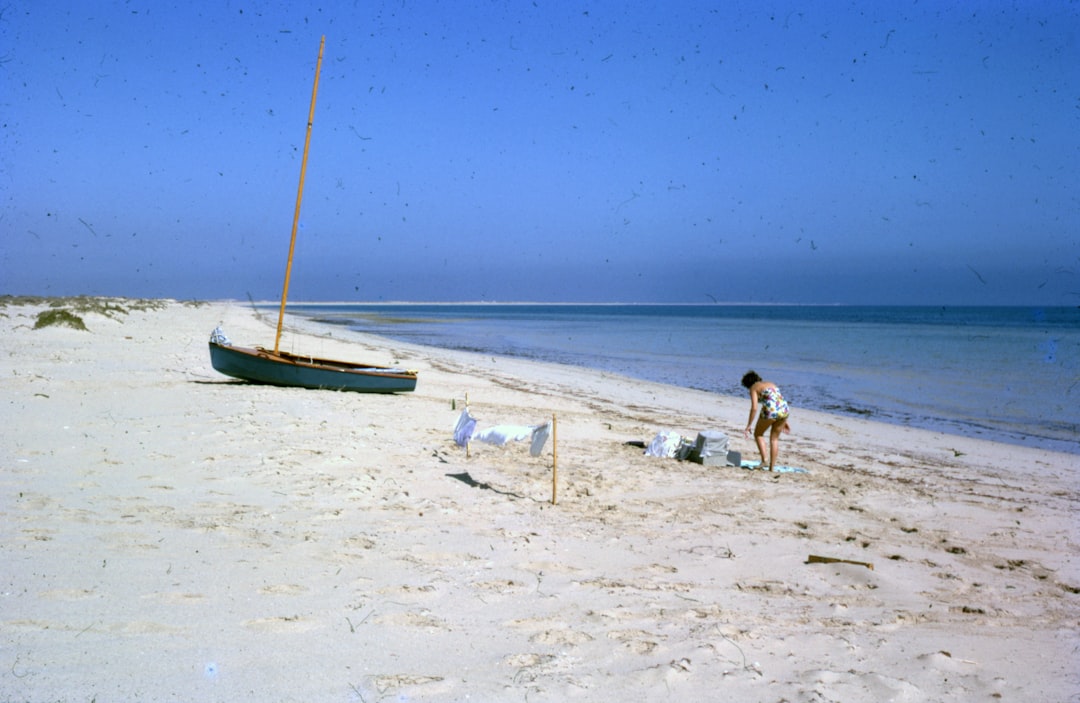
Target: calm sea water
{"type": "Point", "coordinates": [1008, 374]}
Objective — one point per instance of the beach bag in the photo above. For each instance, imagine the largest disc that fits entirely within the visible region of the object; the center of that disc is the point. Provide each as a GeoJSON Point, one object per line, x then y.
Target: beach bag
{"type": "Point", "coordinates": [711, 449]}
{"type": "Point", "coordinates": [669, 445]}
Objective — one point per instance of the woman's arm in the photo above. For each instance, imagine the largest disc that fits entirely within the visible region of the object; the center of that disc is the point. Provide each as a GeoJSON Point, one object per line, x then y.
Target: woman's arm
{"type": "Point", "coordinates": [753, 407]}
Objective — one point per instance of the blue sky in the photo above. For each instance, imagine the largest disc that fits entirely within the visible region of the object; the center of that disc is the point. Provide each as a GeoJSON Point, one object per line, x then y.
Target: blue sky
{"type": "Point", "coordinates": [826, 152]}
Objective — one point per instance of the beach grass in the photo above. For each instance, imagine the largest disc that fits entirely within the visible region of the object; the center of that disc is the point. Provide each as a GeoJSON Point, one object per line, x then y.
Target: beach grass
{"type": "Point", "coordinates": [69, 311]}
{"type": "Point", "coordinates": [59, 318]}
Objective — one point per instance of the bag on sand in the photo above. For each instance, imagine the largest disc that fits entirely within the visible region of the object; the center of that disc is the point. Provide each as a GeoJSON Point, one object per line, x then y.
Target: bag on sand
{"type": "Point", "coordinates": [669, 445]}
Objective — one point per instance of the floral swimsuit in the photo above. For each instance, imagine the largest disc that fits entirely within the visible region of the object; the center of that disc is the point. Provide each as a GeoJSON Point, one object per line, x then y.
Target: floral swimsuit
{"type": "Point", "coordinates": [773, 405]}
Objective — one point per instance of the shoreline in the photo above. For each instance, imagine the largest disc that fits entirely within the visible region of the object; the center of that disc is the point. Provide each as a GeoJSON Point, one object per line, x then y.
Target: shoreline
{"type": "Point", "coordinates": [1034, 434]}
{"type": "Point", "coordinates": [299, 322]}
{"type": "Point", "coordinates": [170, 533]}
{"type": "Point", "coordinates": [722, 304]}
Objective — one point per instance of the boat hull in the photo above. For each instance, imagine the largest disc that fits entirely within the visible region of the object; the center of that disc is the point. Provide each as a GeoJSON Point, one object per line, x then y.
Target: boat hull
{"type": "Point", "coordinates": [283, 369]}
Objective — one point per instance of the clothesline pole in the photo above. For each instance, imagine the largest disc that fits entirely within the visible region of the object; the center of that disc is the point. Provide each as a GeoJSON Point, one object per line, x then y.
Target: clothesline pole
{"type": "Point", "coordinates": [554, 460]}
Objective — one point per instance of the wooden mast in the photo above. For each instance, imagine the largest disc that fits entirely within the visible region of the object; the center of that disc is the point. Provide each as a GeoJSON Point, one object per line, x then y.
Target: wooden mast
{"type": "Point", "coordinates": [299, 197]}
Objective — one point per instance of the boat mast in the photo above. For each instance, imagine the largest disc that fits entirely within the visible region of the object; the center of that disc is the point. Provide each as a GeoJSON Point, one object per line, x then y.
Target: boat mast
{"type": "Point", "coordinates": [299, 196]}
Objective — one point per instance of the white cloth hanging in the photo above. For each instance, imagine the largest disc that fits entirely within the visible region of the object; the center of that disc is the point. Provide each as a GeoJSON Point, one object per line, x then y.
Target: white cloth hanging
{"type": "Point", "coordinates": [463, 430]}
{"type": "Point", "coordinates": [501, 434]}
{"type": "Point", "coordinates": [539, 439]}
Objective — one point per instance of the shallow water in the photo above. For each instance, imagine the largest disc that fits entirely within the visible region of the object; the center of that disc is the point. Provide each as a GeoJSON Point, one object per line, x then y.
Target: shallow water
{"type": "Point", "coordinates": [1007, 374]}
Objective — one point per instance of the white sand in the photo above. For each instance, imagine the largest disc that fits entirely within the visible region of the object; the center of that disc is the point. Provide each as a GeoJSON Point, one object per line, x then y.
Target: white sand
{"type": "Point", "coordinates": [169, 534]}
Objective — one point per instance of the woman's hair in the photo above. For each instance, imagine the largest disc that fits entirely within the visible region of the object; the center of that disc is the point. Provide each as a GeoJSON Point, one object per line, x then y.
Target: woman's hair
{"type": "Point", "coordinates": [750, 379]}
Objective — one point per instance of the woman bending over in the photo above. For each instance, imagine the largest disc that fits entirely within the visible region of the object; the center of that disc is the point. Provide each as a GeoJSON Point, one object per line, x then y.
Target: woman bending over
{"type": "Point", "coordinates": [773, 417]}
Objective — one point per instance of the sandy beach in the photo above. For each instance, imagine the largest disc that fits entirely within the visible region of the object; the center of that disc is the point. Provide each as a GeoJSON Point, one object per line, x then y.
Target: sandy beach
{"type": "Point", "coordinates": [170, 534]}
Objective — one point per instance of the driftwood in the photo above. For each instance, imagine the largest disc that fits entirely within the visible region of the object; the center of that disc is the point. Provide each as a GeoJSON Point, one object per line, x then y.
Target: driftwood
{"type": "Point", "coordinates": [815, 559]}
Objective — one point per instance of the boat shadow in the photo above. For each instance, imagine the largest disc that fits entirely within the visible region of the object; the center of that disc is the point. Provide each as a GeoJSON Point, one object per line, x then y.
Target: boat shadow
{"type": "Point", "coordinates": [241, 383]}
{"type": "Point", "coordinates": [236, 382]}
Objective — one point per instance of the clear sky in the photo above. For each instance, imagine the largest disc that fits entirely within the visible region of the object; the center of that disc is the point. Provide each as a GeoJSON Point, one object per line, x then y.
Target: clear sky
{"type": "Point", "coordinates": [547, 150]}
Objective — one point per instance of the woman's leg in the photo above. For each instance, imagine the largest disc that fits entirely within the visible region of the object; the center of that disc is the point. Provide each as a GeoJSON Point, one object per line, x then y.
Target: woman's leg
{"type": "Point", "coordinates": [763, 424]}
{"type": "Point", "coordinates": [774, 441]}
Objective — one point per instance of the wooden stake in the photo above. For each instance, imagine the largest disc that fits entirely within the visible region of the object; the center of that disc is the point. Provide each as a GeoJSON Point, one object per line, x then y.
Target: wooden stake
{"type": "Point", "coordinates": [554, 459]}
{"type": "Point", "coordinates": [299, 196]}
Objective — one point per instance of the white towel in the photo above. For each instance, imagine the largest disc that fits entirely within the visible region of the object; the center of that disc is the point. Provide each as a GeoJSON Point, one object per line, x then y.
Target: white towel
{"type": "Point", "coordinates": [218, 337]}
{"type": "Point", "coordinates": [664, 444]}
{"type": "Point", "coordinates": [501, 434]}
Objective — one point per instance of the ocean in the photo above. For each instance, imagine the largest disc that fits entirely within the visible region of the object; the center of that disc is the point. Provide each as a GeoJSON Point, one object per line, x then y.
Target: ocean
{"type": "Point", "coordinates": [1010, 374]}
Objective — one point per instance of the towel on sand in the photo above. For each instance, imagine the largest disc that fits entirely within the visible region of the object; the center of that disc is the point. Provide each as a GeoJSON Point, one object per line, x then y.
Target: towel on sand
{"type": "Point", "coordinates": [778, 469]}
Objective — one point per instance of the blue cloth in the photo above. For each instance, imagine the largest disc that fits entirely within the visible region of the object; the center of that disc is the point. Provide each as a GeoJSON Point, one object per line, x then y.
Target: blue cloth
{"type": "Point", "coordinates": [751, 465]}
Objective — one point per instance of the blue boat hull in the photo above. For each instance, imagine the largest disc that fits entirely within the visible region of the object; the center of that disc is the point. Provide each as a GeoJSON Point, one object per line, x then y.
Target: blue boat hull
{"type": "Point", "coordinates": [283, 369]}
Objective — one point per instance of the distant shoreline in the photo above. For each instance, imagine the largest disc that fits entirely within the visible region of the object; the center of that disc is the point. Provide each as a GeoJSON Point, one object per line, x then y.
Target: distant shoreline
{"type": "Point", "coordinates": [18, 299]}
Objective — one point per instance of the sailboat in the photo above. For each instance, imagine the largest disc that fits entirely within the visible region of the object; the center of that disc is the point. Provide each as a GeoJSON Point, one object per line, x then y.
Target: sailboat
{"type": "Point", "coordinates": [281, 368]}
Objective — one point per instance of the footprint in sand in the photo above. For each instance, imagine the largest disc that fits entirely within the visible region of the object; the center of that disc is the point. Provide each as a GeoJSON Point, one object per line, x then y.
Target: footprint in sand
{"type": "Point", "coordinates": [39, 534]}
{"type": "Point", "coordinates": [143, 627]}
{"type": "Point", "coordinates": [177, 598]}
{"type": "Point", "coordinates": [561, 637]}
{"type": "Point", "coordinates": [417, 684]}
{"type": "Point", "coordinates": [503, 587]}
{"type": "Point", "coordinates": [845, 685]}
{"type": "Point", "coordinates": [527, 659]}
{"type": "Point", "coordinates": [290, 589]}
{"type": "Point", "coordinates": [67, 594]}
{"type": "Point", "coordinates": [359, 542]}
{"type": "Point", "coordinates": [637, 641]}
{"type": "Point", "coordinates": [422, 619]}
{"type": "Point", "coordinates": [287, 623]}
